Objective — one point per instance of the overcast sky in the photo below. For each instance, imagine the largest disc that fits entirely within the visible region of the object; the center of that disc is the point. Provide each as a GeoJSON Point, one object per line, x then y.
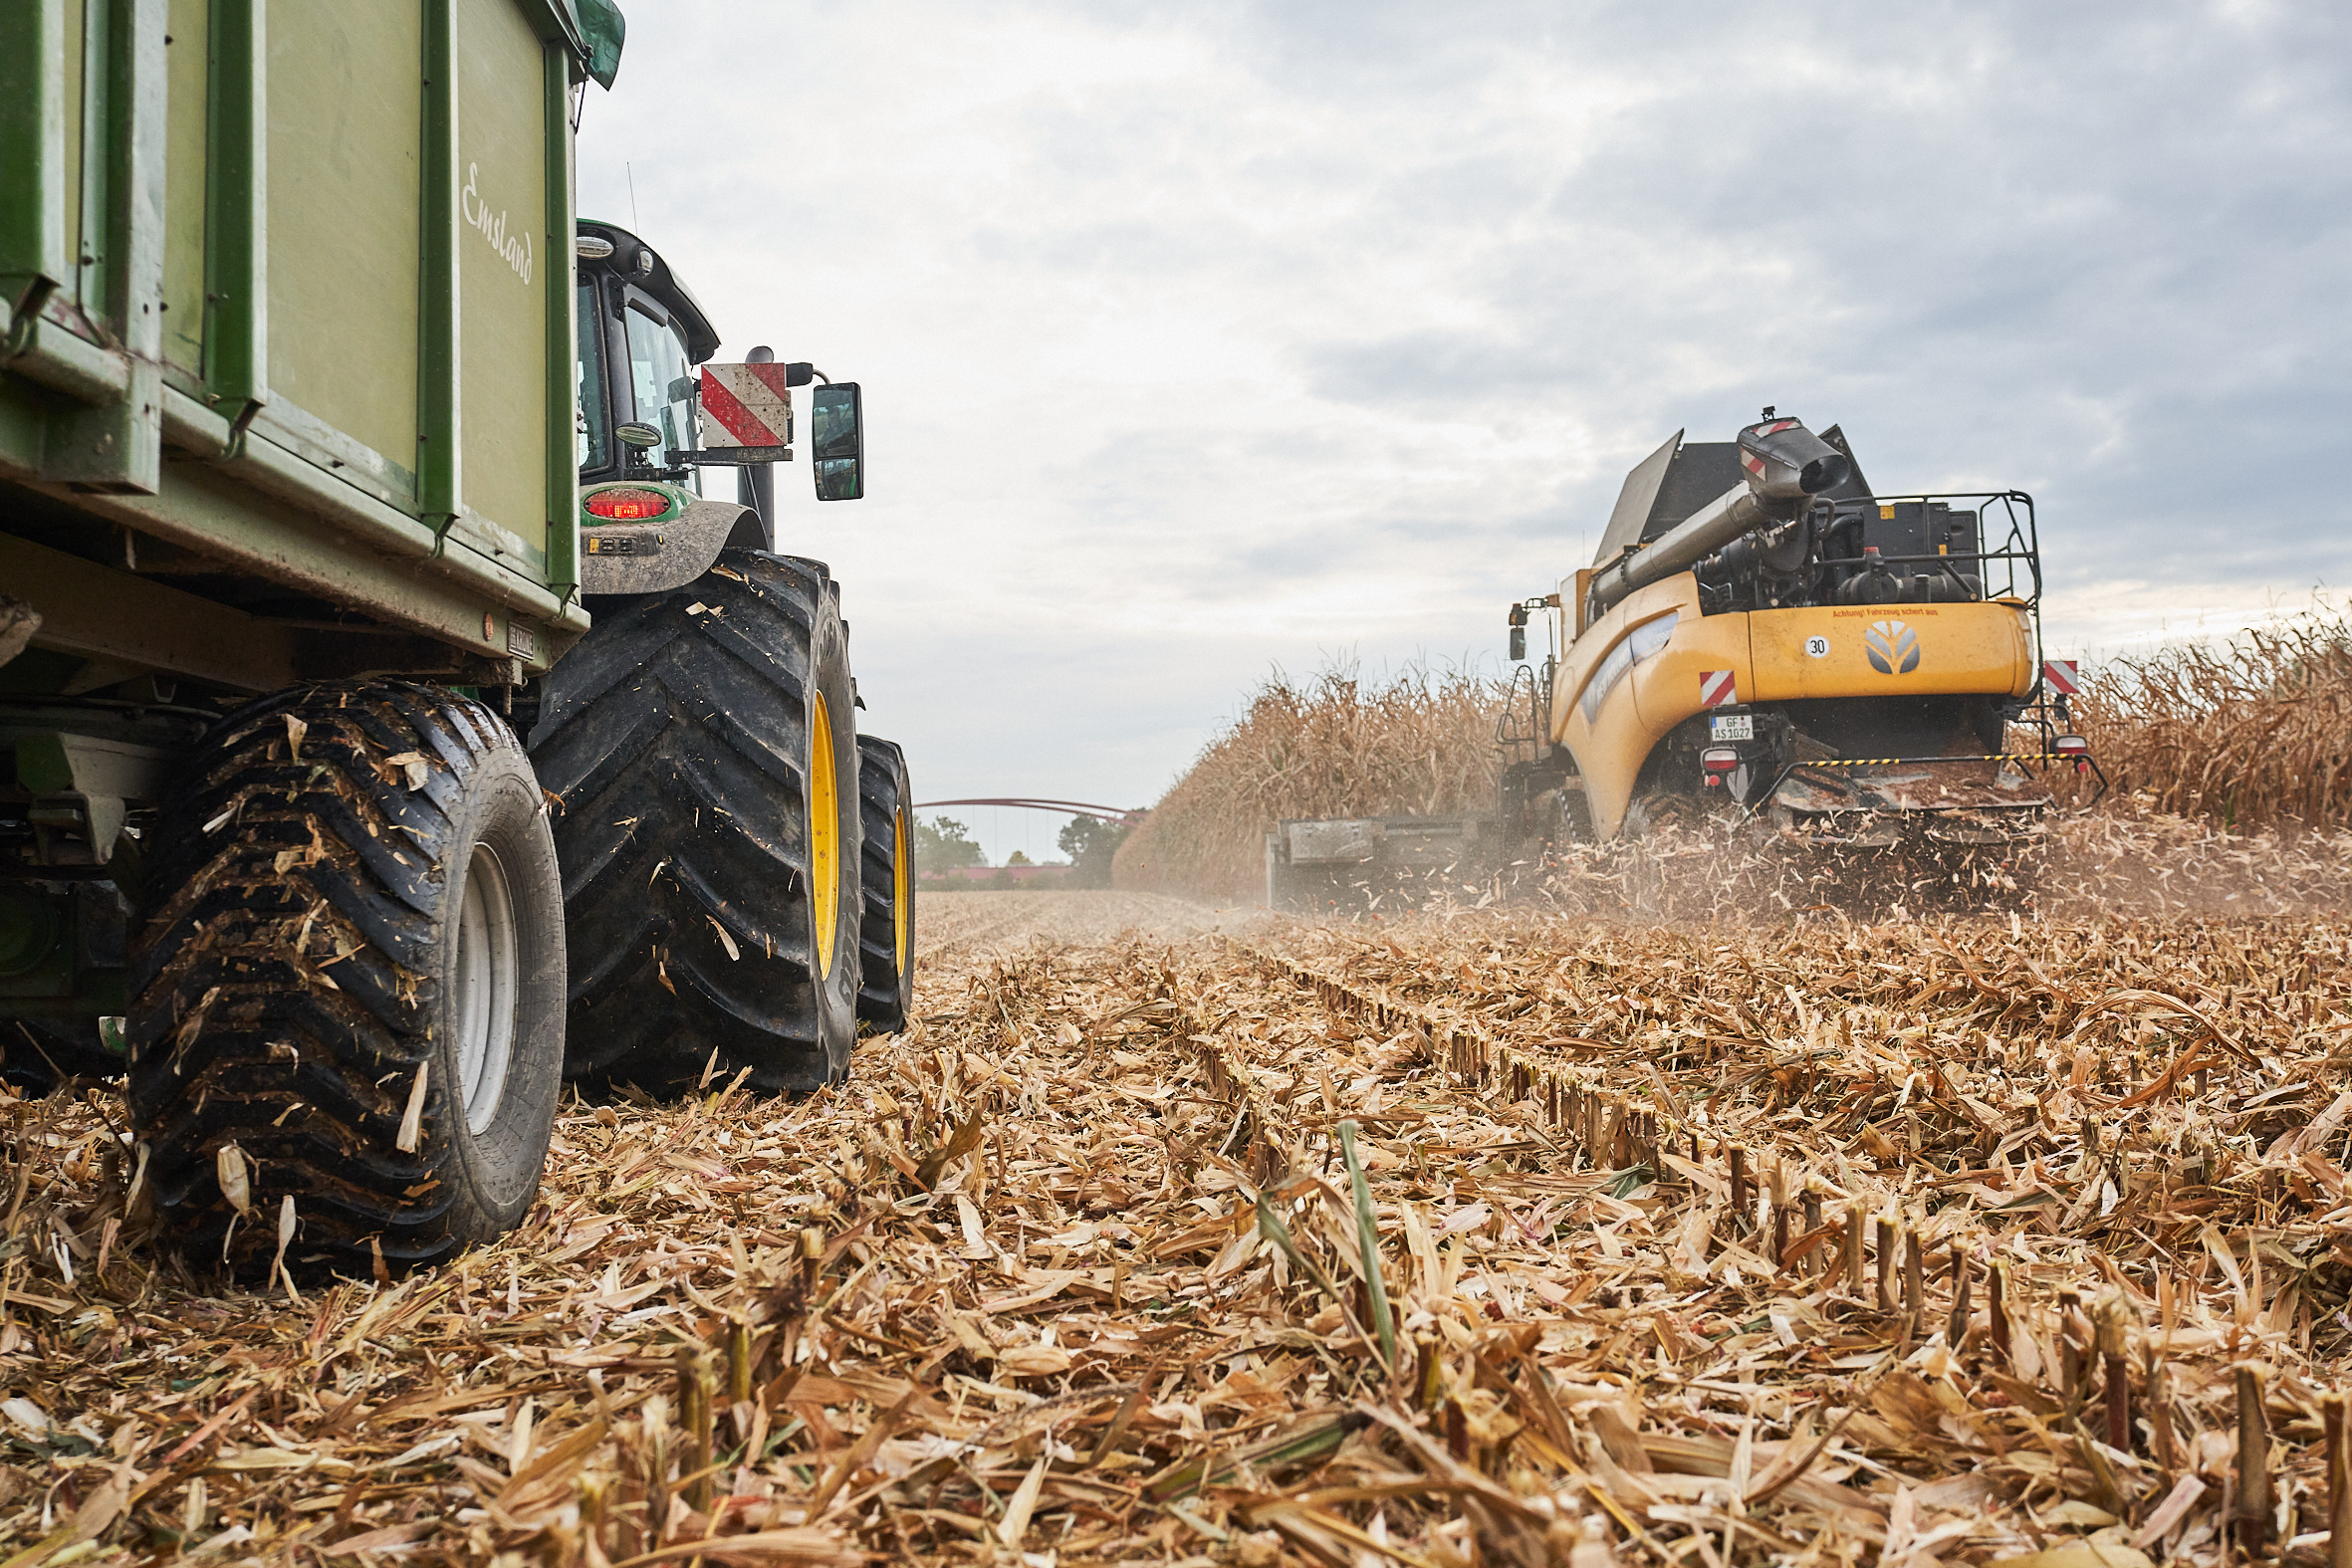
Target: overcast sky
{"type": "Point", "coordinates": [1199, 338]}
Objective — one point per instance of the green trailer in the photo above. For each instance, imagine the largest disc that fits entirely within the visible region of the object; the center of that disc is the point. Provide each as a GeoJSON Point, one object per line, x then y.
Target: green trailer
{"type": "Point", "coordinates": [292, 451]}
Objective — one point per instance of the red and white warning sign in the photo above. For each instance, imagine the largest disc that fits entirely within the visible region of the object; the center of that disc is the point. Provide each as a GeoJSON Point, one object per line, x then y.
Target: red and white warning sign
{"type": "Point", "coordinates": [746, 405]}
{"type": "Point", "coordinates": [2062, 677]}
{"type": "Point", "coordinates": [1718, 689]}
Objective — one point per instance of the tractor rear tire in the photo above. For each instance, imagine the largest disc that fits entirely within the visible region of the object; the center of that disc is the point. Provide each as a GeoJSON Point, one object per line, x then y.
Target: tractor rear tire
{"type": "Point", "coordinates": [886, 936]}
{"type": "Point", "coordinates": [347, 962]}
{"type": "Point", "coordinates": [702, 746]}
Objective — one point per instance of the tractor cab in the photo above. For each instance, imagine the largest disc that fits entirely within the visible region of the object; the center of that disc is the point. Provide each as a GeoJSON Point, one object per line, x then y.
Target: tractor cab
{"type": "Point", "coordinates": [655, 410]}
{"type": "Point", "coordinates": [641, 335]}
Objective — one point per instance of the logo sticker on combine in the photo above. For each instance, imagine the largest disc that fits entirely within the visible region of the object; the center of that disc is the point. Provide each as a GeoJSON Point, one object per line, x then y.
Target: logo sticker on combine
{"type": "Point", "coordinates": [1893, 647]}
{"type": "Point", "coordinates": [1718, 689]}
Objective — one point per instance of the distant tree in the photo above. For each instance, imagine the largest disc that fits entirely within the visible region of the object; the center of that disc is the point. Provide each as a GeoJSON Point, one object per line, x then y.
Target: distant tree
{"type": "Point", "coordinates": [1017, 858]}
{"type": "Point", "coordinates": [1089, 841]}
{"type": "Point", "coordinates": [945, 844]}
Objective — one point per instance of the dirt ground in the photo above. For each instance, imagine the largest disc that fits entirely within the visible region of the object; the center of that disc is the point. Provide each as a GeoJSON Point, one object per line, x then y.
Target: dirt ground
{"type": "Point", "coordinates": [1182, 1236]}
{"type": "Point", "coordinates": [957, 924]}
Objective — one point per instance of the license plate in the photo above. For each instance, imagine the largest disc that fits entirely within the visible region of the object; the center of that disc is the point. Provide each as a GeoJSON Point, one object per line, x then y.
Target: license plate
{"type": "Point", "coordinates": [1732, 726]}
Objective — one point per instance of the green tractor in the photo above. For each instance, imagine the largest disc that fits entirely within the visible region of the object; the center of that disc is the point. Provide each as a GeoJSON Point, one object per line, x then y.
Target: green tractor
{"type": "Point", "coordinates": [391, 728]}
{"type": "Point", "coordinates": [733, 902]}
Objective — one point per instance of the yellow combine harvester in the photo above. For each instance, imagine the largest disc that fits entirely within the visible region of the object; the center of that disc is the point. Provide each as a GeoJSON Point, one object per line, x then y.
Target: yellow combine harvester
{"type": "Point", "coordinates": [1759, 636]}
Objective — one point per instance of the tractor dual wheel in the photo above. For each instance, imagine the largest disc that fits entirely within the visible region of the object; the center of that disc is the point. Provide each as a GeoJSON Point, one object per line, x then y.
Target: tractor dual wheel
{"type": "Point", "coordinates": [703, 750]}
{"type": "Point", "coordinates": [347, 973]}
{"type": "Point", "coordinates": [886, 936]}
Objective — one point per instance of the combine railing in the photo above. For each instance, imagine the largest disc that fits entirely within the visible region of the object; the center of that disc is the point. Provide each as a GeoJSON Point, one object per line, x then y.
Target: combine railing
{"type": "Point", "coordinates": [1523, 731]}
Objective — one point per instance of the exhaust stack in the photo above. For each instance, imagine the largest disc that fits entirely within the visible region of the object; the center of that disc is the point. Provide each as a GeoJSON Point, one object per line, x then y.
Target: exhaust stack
{"type": "Point", "coordinates": [1785, 463]}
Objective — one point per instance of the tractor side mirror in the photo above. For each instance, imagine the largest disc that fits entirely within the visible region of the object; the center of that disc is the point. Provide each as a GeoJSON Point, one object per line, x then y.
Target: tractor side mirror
{"type": "Point", "coordinates": [641, 436]}
{"type": "Point", "coordinates": [1519, 645]}
{"type": "Point", "coordinates": [837, 439]}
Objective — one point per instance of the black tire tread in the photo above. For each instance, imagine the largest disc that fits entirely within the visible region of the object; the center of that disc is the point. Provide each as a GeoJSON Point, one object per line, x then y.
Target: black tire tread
{"type": "Point", "coordinates": [281, 976]}
{"type": "Point", "coordinates": [883, 792]}
{"type": "Point", "coordinates": [674, 742]}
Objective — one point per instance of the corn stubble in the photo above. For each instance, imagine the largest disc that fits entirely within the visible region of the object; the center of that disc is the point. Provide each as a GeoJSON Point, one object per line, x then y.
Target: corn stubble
{"type": "Point", "coordinates": [1474, 1238]}
{"type": "Point", "coordinates": [1530, 1235]}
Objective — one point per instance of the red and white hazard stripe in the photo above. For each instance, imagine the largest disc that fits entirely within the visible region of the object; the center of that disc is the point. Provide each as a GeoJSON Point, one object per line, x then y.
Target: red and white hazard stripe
{"type": "Point", "coordinates": [2061, 676]}
{"type": "Point", "coordinates": [746, 405]}
{"type": "Point", "coordinates": [1718, 689]}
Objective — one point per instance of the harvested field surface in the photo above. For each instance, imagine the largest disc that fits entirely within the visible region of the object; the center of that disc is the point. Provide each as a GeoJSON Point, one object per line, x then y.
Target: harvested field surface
{"type": "Point", "coordinates": [958, 925]}
{"type": "Point", "coordinates": [2089, 866]}
{"type": "Point", "coordinates": [1483, 1239]}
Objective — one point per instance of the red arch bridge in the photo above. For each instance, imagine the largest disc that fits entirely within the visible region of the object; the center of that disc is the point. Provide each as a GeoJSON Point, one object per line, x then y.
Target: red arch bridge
{"type": "Point", "coordinates": [1108, 814]}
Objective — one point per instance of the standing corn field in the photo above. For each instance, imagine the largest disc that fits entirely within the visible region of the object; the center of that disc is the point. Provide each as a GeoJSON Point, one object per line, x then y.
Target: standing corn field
{"type": "Point", "coordinates": [2244, 736]}
{"type": "Point", "coordinates": [2248, 731]}
{"type": "Point", "coordinates": [1420, 740]}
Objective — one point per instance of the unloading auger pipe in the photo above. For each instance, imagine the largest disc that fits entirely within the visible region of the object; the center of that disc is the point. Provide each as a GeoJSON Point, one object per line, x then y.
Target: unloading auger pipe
{"type": "Point", "coordinates": [1784, 463]}
{"type": "Point", "coordinates": [1737, 510]}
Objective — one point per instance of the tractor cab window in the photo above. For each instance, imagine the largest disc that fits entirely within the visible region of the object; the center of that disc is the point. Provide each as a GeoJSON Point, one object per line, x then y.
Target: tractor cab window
{"type": "Point", "coordinates": [662, 379]}
{"type": "Point", "coordinates": [591, 435]}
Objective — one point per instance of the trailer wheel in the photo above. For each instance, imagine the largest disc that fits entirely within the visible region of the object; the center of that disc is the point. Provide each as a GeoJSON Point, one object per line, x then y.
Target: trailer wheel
{"type": "Point", "coordinates": [702, 746]}
{"type": "Point", "coordinates": [886, 932]}
{"type": "Point", "coordinates": [347, 962]}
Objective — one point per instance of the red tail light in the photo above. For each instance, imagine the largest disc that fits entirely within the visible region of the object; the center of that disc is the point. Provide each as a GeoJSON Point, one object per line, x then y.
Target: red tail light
{"type": "Point", "coordinates": [626, 504]}
{"type": "Point", "coordinates": [2072, 746]}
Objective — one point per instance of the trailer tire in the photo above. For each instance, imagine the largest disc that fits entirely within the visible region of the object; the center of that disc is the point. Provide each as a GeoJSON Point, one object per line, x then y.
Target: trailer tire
{"type": "Point", "coordinates": [353, 897]}
{"type": "Point", "coordinates": [886, 930]}
{"type": "Point", "coordinates": [701, 746]}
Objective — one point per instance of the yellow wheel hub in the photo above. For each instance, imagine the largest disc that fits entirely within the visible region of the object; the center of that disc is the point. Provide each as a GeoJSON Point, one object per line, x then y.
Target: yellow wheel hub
{"type": "Point", "coordinates": [825, 837]}
{"type": "Point", "coordinates": [902, 911]}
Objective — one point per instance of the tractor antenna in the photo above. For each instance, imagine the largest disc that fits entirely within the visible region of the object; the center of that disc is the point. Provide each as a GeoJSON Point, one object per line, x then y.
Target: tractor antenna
{"type": "Point", "coordinates": [634, 224]}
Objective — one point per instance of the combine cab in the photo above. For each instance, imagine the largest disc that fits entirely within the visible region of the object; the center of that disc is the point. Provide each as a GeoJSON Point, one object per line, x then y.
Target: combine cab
{"type": "Point", "coordinates": [1763, 638]}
